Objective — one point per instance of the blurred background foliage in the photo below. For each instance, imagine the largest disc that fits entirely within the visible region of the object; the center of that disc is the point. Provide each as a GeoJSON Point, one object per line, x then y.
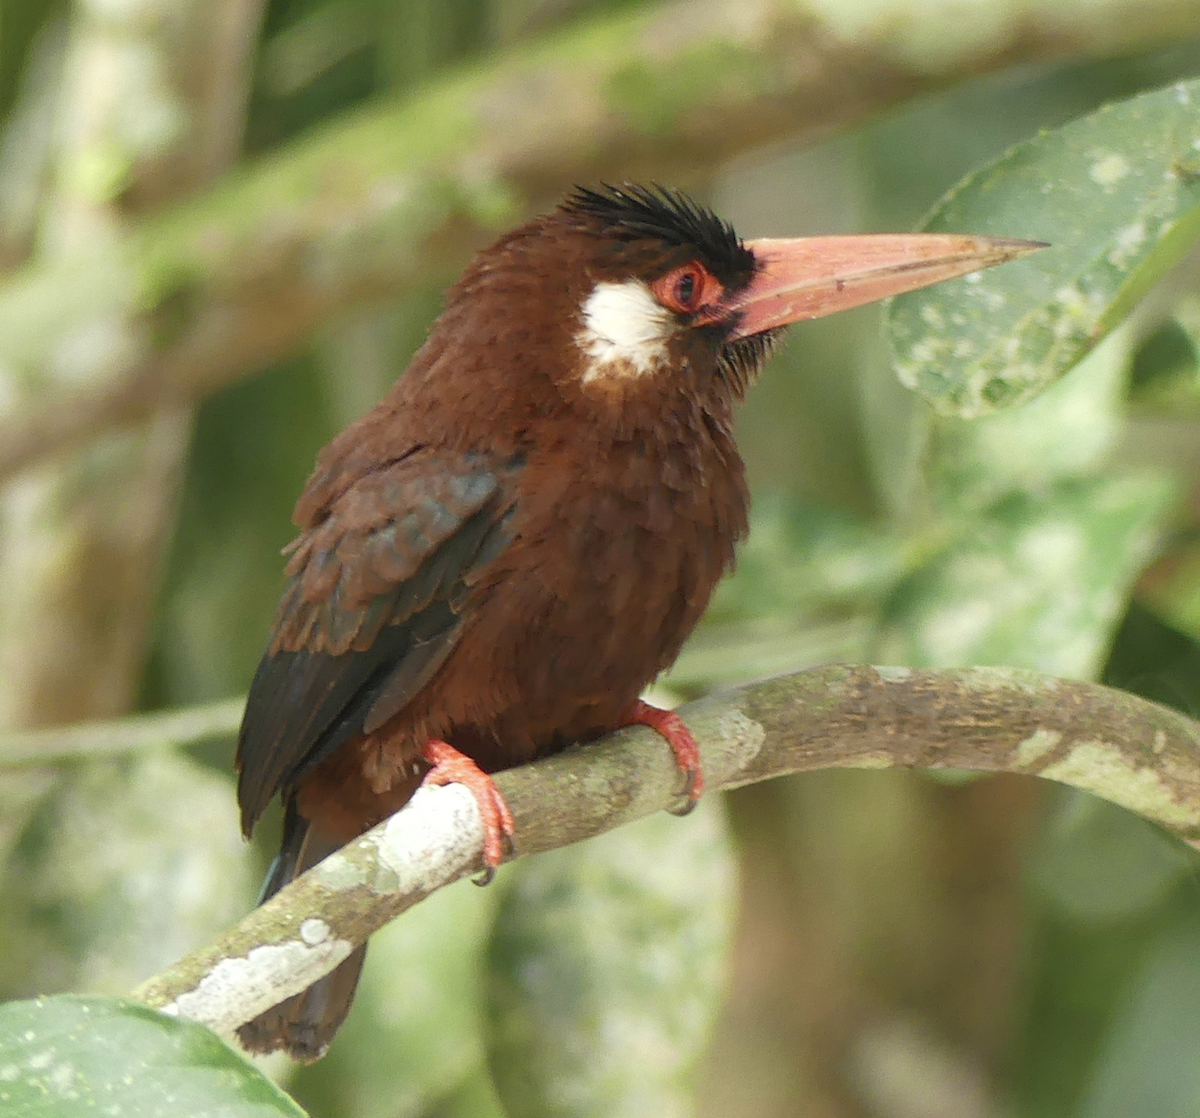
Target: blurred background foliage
{"type": "Point", "coordinates": [840, 945]}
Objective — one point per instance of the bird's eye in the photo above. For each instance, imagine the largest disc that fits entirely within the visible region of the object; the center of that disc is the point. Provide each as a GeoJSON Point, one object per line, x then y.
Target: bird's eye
{"type": "Point", "coordinates": [687, 289]}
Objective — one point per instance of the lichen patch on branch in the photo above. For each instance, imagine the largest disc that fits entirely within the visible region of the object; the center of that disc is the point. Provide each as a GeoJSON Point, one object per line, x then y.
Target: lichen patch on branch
{"type": "Point", "coordinates": [435, 840]}
{"type": "Point", "coordinates": [1036, 748]}
{"type": "Point", "coordinates": [237, 989]}
{"type": "Point", "coordinates": [1102, 768]}
{"type": "Point", "coordinates": [746, 734]}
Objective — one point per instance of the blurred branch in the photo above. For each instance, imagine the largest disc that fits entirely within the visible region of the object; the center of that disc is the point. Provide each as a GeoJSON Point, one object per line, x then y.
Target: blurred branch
{"type": "Point", "coordinates": [398, 195]}
{"type": "Point", "coordinates": [176, 729]}
{"type": "Point", "coordinates": [149, 108]}
{"type": "Point", "coordinates": [26, 143]}
{"type": "Point", "coordinates": [1140, 755]}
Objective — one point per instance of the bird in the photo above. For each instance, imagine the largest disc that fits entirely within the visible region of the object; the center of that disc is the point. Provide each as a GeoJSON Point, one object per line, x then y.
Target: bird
{"type": "Point", "coordinates": [499, 557]}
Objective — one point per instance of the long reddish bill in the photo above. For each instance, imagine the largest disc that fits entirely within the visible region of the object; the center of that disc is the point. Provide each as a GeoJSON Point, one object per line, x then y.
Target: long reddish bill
{"type": "Point", "coordinates": [807, 277]}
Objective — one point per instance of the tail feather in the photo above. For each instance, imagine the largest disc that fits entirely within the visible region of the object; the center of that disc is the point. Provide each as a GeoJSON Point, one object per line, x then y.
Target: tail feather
{"type": "Point", "coordinates": [304, 1024]}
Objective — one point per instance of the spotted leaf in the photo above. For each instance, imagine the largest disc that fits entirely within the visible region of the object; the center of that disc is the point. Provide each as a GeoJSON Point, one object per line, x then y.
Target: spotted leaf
{"type": "Point", "coordinates": [1117, 196]}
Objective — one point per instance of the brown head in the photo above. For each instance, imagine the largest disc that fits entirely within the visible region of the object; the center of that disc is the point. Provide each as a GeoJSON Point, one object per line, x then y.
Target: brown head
{"type": "Point", "coordinates": [625, 300]}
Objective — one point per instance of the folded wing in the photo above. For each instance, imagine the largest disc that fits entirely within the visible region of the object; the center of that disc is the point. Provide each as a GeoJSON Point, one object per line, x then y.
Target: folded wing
{"type": "Point", "coordinates": [377, 585]}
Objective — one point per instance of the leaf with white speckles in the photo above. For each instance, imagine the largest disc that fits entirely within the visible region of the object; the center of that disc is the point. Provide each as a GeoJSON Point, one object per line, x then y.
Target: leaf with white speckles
{"type": "Point", "coordinates": [1116, 193]}
{"type": "Point", "coordinates": [1039, 584]}
{"type": "Point", "coordinates": [608, 965]}
{"type": "Point", "coordinates": [1067, 432]}
{"type": "Point", "coordinates": [123, 868]}
{"type": "Point", "coordinates": [67, 1056]}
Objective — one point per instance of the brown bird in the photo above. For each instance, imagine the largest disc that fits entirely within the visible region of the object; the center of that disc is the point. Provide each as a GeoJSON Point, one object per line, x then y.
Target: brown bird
{"type": "Point", "coordinates": [496, 560]}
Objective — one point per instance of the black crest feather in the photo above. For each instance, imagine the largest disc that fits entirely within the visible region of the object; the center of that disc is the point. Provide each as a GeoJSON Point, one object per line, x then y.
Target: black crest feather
{"type": "Point", "coordinates": [631, 212]}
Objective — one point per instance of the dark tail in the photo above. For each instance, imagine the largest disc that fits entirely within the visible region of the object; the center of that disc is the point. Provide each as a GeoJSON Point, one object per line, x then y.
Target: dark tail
{"type": "Point", "coordinates": [305, 1024]}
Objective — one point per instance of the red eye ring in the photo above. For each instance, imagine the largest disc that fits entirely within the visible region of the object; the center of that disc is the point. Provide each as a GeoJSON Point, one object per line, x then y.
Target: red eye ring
{"type": "Point", "coordinates": [687, 289]}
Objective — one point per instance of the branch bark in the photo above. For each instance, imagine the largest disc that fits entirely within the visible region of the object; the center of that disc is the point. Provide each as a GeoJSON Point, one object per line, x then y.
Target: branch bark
{"type": "Point", "coordinates": [398, 195]}
{"type": "Point", "coordinates": [1135, 753]}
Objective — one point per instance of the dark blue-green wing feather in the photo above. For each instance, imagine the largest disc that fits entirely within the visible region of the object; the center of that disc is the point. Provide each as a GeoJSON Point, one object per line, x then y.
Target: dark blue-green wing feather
{"type": "Point", "coordinates": [377, 583]}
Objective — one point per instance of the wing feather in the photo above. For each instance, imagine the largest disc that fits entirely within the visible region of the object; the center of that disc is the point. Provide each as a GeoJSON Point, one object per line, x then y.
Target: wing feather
{"type": "Point", "coordinates": [373, 605]}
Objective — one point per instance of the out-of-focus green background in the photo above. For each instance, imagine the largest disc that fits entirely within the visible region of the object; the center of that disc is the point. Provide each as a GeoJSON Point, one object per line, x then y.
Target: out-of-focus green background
{"type": "Point", "coordinates": [902, 946]}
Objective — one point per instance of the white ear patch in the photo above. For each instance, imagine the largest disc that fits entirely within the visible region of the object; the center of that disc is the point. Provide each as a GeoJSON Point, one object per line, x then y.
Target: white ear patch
{"type": "Point", "coordinates": [625, 330]}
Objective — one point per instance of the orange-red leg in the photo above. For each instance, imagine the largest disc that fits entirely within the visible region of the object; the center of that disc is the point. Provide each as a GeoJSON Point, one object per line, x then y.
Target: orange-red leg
{"type": "Point", "coordinates": [683, 745]}
{"type": "Point", "coordinates": [449, 766]}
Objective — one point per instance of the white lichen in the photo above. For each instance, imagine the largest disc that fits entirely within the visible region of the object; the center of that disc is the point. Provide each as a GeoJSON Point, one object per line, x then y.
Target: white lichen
{"type": "Point", "coordinates": [434, 840]}
{"type": "Point", "coordinates": [314, 930]}
{"type": "Point", "coordinates": [237, 989]}
{"type": "Point", "coordinates": [1109, 169]}
{"type": "Point", "coordinates": [743, 730]}
{"type": "Point", "coordinates": [1127, 242]}
{"type": "Point", "coordinates": [1101, 768]}
{"type": "Point", "coordinates": [1038, 745]}
{"type": "Point", "coordinates": [873, 761]}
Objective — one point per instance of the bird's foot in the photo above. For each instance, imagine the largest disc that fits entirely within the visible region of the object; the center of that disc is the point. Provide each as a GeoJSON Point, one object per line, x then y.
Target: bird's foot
{"type": "Point", "coordinates": [449, 766]}
{"type": "Point", "coordinates": [683, 745]}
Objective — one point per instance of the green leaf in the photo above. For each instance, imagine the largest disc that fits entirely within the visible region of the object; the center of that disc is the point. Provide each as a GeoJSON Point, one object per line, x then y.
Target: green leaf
{"type": "Point", "coordinates": [70, 1056]}
{"type": "Point", "coordinates": [807, 590]}
{"type": "Point", "coordinates": [804, 558]}
{"type": "Point", "coordinates": [1174, 591]}
{"type": "Point", "coordinates": [1094, 862]}
{"type": "Point", "coordinates": [1037, 583]}
{"type": "Point", "coordinates": [1148, 1065]}
{"type": "Point", "coordinates": [607, 967]}
{"type": "Point", "coordinates": [1067, 432]}
{"type": "Point", "coordinates": [1116, 193]}
{"type": "Point", "coordinates": [122, 869]}
{"type": "Point", "coordinates": [1166, 368]}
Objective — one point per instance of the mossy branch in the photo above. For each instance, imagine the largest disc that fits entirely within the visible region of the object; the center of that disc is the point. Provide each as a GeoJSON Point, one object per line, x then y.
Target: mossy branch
{"type": "Point", "coordinates": [1135, 753]}
{"type": "Point", "coordinates": [173, 729]}
{"type": "Point", "coordinates": [397, 195]}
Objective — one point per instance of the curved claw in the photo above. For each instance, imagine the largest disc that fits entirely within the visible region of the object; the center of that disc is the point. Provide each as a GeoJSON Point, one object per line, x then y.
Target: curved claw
{"type": "Point", "coordinates": [683, 745]}
{"type": "Point", "coordinates": [449, 766]}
